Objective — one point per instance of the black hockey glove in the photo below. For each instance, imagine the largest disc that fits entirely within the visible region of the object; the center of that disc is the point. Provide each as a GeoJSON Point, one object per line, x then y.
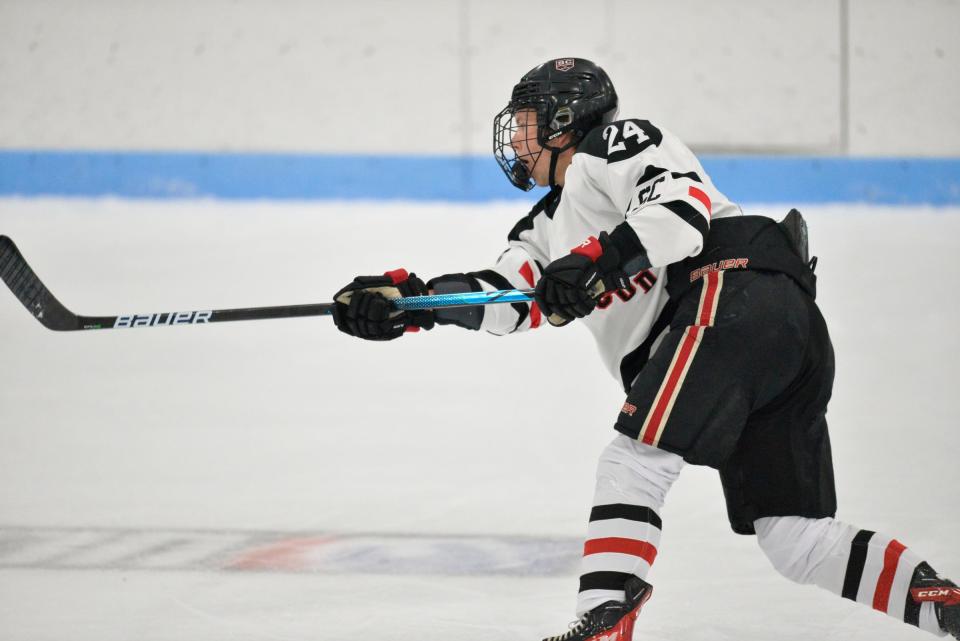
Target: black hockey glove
{"type": "Point", "coordinates": [571, 286]}
{"type": "Point", "coordinates": [363, 308]}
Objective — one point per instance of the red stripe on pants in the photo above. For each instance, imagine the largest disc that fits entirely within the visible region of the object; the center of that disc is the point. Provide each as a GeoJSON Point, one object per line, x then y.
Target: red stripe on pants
{"type": "Point", "coordinates": [705, 313]}
{"type": "Point", "coordinates": [644, 550]}
{"type": "Point", "coordinates": [673, 377]}
{"type": "Point", "coordinates": [709, 297]}
{"type": "Point", "coordinates": [891, 558]}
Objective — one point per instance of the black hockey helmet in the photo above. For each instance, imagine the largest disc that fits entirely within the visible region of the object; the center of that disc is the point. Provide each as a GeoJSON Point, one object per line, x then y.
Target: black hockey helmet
{"type": "Point", "coordinates": [569, 95]}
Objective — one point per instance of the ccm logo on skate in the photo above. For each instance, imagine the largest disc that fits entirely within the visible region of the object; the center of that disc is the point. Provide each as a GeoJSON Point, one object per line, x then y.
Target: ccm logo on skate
{"type": "Point", "coordinates": [629, 409]}
{"type": "Point", "coordinates": [164, 318]}
{"type": "Point", "coordinates": [948, 596]}
{"type": "Point", "coordinates": [931, 593]}
{"type": "Point", "coordinates": [720, 265]}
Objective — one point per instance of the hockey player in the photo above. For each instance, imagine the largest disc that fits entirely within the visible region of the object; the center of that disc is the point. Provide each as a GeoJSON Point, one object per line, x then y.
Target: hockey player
{"type": "Point", "coordinates": [676, 285]}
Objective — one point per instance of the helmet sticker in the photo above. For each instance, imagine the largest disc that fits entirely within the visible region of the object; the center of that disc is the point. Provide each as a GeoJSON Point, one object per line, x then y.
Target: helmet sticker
{"type": "Point", "coordinates": [563, 64]}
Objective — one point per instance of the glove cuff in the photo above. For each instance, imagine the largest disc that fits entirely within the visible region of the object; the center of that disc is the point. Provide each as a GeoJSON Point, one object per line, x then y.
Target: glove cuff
{"type": "Point", "coordinates": [605, 255]}
{"type": "Point", "coordinates": [632, 254]}
{"type": "Point", "coordinates": [592, 248]}
{"type": "Point", "coordinates": [620, 250]}
{"type": "Point", "coordinates": [397, 276]}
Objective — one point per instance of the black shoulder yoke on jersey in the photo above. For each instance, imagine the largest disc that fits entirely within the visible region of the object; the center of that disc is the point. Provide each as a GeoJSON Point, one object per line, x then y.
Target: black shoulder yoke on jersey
{"type": "Point", "coordinates": [620, 139]}
{"type": "Point", "coordinates": [753, 243]}
{"type": "Point", "coordinates": [546, 205]}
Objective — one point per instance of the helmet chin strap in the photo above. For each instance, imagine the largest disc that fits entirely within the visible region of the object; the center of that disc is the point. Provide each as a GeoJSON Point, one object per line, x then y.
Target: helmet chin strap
{"type": "Point", "coordinates": [554, 157]}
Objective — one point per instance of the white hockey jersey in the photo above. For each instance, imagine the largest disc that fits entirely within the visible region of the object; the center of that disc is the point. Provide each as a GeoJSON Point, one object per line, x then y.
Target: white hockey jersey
{"type": "Point", "coordinates": [632, 171]}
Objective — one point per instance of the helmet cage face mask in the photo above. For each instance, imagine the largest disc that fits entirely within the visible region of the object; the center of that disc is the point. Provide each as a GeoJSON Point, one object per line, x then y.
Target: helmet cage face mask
{"type": "Point", "coordinates": [575, 98]}
{"type": "Point", "coordinates": [505, 129]}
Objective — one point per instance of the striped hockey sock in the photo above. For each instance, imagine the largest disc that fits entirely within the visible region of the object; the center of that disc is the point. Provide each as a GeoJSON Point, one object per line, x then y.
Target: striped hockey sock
{"type": "Point", "coordinates": [860, 565]}
{"type": "Point", "coordinates": [624, 529]}
{"type": "Point", "coordinates": [621, 541]}
{"type": "Point", "coordinates": [879, 573]}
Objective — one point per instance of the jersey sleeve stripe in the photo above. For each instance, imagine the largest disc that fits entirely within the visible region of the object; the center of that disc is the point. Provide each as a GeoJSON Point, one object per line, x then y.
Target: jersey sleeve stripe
{"type": "Point", "coordinates": [692, 175]}
{"type": "Point", "coordinates": [527, 272]}
{"type": "Point", "coordinates": [688, 213]}
{"type": "Point", "coordinates": [702, 197]}
{"type": "Point", "coordinates": [650, 173]}
{"type": "Point", "coordinates": [535, 316]}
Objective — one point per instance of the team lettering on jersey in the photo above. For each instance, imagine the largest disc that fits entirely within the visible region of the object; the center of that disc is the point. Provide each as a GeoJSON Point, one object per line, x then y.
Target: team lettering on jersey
{"type": "Point", "coordinates": [645, 280]}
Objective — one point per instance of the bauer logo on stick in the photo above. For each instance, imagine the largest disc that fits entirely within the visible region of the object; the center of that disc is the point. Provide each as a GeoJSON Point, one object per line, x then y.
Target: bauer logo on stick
{"type": "Point", "coordinates": [165, 318]}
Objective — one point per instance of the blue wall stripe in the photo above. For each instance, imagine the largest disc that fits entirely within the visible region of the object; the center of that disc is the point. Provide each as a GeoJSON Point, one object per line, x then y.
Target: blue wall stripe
{"type": "Point", "coordinates": [785, 179]}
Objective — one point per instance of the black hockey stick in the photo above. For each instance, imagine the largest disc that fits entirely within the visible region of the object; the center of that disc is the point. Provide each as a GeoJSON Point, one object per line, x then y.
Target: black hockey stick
{"type": "Point", "coordinates": [44, 306]}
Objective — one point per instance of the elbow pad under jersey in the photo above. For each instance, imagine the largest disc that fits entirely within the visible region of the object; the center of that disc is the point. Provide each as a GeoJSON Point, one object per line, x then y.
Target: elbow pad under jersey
{"type": "Point", "coordinates": [471, 317]}
{"type": "Point", "coordinates": [467, 317]}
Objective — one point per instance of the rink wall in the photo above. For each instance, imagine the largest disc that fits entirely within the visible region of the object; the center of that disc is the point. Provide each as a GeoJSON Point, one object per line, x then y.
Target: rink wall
{"type": "Point", "coordinates": [787, 179]}
{"type": "Point", "coordinates": [378, 99]}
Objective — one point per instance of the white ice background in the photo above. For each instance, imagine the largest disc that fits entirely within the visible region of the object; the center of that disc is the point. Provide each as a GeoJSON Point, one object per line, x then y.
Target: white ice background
{"type": "Point", "coordinates": [288, 426]}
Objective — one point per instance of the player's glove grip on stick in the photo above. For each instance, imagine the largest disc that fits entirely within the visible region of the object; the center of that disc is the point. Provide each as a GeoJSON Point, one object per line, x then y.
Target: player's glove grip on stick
{"type": "Point", "coordinates": [363, 308]}
{"type": "Point", "coordinates": [570, 286]}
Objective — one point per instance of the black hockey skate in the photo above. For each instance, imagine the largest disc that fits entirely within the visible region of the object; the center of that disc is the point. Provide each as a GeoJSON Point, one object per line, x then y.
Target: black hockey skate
{"type": "Point", "coordinates": [927, 586]}
{"type": "Point", "coordinates": [613, 620]}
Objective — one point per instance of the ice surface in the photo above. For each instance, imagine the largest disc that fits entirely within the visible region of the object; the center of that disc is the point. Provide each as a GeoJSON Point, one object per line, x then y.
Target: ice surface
{"type": "Point", "coordinates": [278, 480]}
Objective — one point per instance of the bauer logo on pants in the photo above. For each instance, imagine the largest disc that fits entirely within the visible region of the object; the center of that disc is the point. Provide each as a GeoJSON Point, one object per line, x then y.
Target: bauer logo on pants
{"type": "Point", "coordinates": [163, 318]}
{"type": "Point", "coordinates": [719, 266]}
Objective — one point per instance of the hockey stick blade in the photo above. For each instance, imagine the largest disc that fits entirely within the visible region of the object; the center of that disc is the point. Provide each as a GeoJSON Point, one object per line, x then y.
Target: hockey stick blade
{"type": "Point", "coordinates": [25, 285]}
